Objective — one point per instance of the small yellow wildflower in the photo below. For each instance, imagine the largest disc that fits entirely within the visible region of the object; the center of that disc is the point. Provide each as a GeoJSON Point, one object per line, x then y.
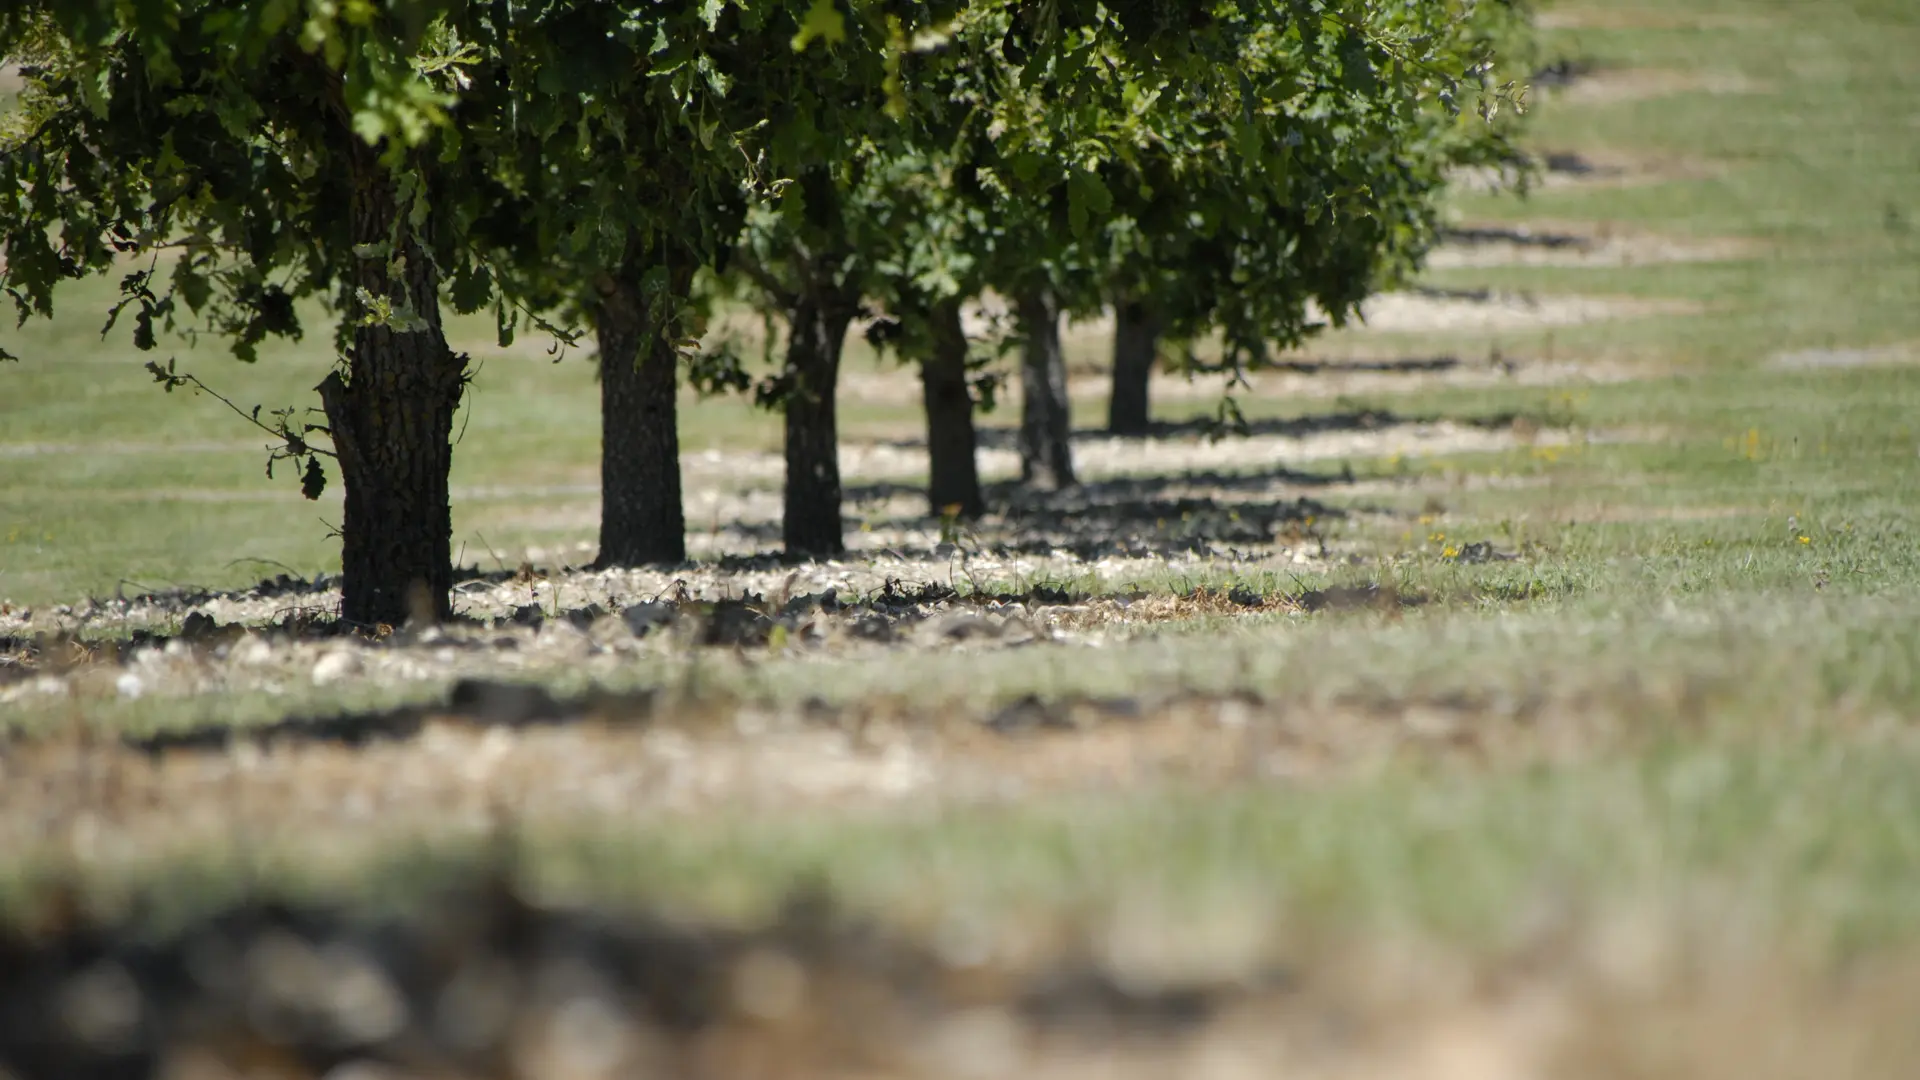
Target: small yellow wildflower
{"type": "Point", "coordinates": [1450, 553]}
{"type": "Point", "coordinates": [1806, 539]}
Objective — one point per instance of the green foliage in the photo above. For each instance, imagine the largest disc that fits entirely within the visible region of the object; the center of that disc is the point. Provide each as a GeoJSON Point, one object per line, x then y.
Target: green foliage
{"type": "Point", "coordinates": [590, 138]}
{"type": "Point", "coordinates": [1296, 158]}
{"type": "Point", "coordinates": [628, 142]}
{"type": "Point", "coordinates": [216, 132]}
{"type": "Point", "coordinates": [1229, 163]}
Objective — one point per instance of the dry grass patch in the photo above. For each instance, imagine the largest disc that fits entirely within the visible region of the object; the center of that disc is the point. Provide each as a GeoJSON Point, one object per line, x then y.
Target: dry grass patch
{"type": "Point", "coordinates": [1601, 513]}
{"type": "Point", "coordinates": [1568, 171]}
{"type": "Point", "coordinates": [450, 768]}
{"type": "Point", "coordinates": [1610, 16]}
{"type": "Point", "coordinates": [1577, 245]}
{"type": "Point", "coordinates": [1609, 86]}
{"type": "Point", "coordinates": [1404, 313]}
{"type": "Point", "coordinates": [1903, 355]}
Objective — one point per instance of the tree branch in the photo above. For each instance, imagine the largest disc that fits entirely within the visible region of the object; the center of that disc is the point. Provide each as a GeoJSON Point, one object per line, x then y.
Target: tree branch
{"type": "Point", "coordinates": [765, 280]}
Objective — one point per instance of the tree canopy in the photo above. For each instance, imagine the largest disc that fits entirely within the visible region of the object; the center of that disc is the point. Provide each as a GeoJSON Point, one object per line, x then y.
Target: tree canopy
{"type": "Point", "coordinates": [1233, 167]}
{"type": "Point", "coordinates": [1234, 164]}
{"type": "Point", "coordinates": [375, 156]}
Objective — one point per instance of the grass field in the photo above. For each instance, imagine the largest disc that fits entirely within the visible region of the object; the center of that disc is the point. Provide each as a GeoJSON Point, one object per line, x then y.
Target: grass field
{"type": "Point", "coordinates": [1548, 711]}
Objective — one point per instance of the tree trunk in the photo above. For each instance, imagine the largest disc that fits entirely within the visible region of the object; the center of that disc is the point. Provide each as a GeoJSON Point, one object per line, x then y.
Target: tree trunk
{"type": "Point", "coordinates": [391, 419]}
{"type": "Point", "coordinates": [811, 525]}
{"type": "Point", "coordinates": [1046, 452]}
{"type": "Point", "coordinates": [953, 474]}
{"type": "Point", "coordinates": [642, 519]}
{"type": "Point", "coordinates": [1136, 340]}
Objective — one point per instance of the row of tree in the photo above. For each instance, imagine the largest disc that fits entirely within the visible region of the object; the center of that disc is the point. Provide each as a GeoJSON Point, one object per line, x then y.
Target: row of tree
{"type": "Point", "coordinates": [1197, 167]}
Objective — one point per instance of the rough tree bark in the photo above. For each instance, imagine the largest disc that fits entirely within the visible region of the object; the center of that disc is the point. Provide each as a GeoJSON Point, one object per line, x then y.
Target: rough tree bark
{"type": "Point", "coordinates": [811, 525]}
{"type": "Point", "coordinates": [1046, 452]}
{"type": "Point", "coordinates": [954, 475]}
{"type": "Point", "coordinates": [1136, 340]}
{"type": "Point", "coordinates": [391, 418]}
{"type": "Point", "coordinates": [642, 518]}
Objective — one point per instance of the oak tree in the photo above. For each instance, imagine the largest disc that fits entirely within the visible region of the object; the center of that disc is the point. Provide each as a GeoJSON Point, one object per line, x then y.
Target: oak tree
{"type": "Point", "coordinates": [277, 152]}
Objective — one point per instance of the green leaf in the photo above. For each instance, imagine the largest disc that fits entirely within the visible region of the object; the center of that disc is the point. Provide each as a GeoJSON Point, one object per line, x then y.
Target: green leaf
{"type": "Point", "coordinates": [504, 323]}
{"type": "Point", "coordinates": [654, 283]}
{"type": "Point", "coordinates": [313, 480]}
{"type": "Point", "coordinates": [1356, 66]}
{"type": "Point", "coordinates": [823, 21]}
{"type": "Point", "coordinates": [471, 288]}
{"type": "Point", "coordinates": [192, 285]}
{"type": "Point", "coordinates": [370, 125]}
{"type": "Point", "coordinates": [1087, 196]}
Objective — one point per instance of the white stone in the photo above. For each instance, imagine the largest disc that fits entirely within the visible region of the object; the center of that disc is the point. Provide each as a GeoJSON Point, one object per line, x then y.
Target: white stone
{"type": "Point", "coordinates": [252, 650]}
{"type": "Point", "coordinates": [335, 666]}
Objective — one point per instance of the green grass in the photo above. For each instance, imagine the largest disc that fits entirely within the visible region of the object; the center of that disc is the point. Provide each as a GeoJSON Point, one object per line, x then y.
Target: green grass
{"type": "Point", "coordinates": [1726, 560]}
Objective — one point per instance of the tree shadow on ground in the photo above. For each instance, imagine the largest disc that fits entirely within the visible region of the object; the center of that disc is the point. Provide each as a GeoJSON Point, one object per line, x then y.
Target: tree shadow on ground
{"type": "Point", "coordinates": [1135, 516]}
{"type": "Point", "coordinates": [1291, 427]}
{"type": "Point", "coordinates": [1139, 517]}
{"type": "Point", "coordinates": [1516, 237]}
{"type": "Point", "coordinates": [1411, 365]}
{"type": "Point", "coordinates": [1010, 496]}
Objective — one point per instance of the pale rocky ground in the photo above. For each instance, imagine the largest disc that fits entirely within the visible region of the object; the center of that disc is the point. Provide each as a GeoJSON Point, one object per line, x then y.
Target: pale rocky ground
{"type": "Point", "coordinates": [1150, 511]}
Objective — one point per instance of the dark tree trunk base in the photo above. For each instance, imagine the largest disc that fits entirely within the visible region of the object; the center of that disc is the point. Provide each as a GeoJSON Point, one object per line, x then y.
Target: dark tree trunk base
{"type": "Point", "coordinates": [1046, 427]}
{"type": "Point", "coordinates": [811, 523]}
{"type": "Point", "coordinates": [642, 519]}
{"type": "Point", "coordinates": [391, 418]}
{"type": "Point", "coordinates": [953, 487]}
{"type": "Point", "coordinates": [1136, 340]}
